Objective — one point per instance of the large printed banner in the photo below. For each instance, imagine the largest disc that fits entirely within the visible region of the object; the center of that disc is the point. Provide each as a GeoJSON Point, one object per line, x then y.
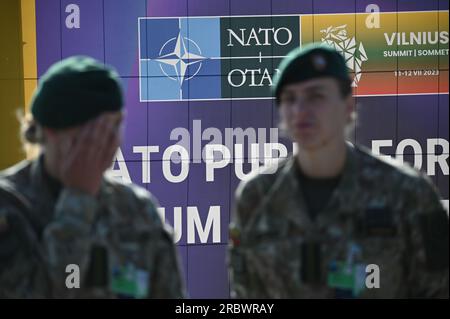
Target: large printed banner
{"type": "Point", "coordinates": [198, 73]}
{"type": "Point", "coordinates": [407, 54]}
{"type": "Point", "coordinates": [179, 56]}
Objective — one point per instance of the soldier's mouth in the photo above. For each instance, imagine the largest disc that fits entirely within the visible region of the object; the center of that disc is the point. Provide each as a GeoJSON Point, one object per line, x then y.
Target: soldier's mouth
{"type": "Point", "coordinates": [303, 126]}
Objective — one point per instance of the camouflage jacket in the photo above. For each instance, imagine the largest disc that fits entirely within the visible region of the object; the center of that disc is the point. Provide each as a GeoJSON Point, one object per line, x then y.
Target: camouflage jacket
{"type": "Point", "coordinates": [381, 213]}
{"type": "Point", "coordinates": [117, 240]}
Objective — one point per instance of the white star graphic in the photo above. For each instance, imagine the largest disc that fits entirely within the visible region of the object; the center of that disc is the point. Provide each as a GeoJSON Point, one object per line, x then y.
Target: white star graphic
{"type": "Point", "coordinates": [180, 58]}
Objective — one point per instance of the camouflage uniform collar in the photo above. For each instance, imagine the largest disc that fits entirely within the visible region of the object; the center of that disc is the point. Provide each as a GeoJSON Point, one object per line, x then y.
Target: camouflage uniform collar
{"type": "Point", "coordinates": [107, 186]}
{"type": "Point", "coordinates": [41, 180]}
{"type": "Point", "coordinates": [284, 197]}
{"type": "Point", "coordinates": [37, 166]}
{"type": "Point", "coordinates": [347, 181]}
{"type": "Point", "coordinates": [350, 171]}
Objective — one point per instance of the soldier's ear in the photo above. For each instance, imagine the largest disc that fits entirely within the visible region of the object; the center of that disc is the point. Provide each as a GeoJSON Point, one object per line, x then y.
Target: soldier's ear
{"type": "Point", "coordinates": [49, 134]}
{"type": "Point", "coordinates": [350, 107]}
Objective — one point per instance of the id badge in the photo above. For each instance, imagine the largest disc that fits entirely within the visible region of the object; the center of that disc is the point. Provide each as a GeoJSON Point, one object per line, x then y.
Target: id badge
{"type": "Point", "coordinates": [130, 282]}
{"type": "Point", "coordinates": [347, 280]}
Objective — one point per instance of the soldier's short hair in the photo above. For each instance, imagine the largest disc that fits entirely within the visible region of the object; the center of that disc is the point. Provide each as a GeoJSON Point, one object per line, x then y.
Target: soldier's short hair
{"type": "Point", "coordinates": [345, 87]}
{"type": "Point", "coordinates": [31, 134]}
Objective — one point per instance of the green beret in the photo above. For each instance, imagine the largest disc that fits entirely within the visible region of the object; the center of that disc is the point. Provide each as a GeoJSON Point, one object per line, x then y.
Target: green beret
{"type": "Point", "coordinates": [312, 61]}
{"type": "Point", "coordinates": [74, 91]}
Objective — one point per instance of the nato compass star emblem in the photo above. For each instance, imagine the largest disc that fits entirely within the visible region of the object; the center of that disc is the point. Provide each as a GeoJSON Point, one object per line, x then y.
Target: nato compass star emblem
{"type": "Point", "coordinates": [180, 58]}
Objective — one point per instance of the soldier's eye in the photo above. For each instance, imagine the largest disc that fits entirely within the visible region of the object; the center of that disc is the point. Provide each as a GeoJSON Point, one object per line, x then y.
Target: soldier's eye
{"type": "Point", "coordinates": [288, 100]}
{"type": "Point", "coordinates": [316, 97]}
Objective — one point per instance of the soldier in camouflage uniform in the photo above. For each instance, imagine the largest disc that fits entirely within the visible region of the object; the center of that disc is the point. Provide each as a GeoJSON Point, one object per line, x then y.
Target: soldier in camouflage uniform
{"type": "Point", "coordinates": [334, 221]}
{"type": "Point", "coordinates": [63, 217]}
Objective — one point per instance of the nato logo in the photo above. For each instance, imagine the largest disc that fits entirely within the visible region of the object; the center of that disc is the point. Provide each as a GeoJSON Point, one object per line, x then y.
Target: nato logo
{"type": "Point", "coordinates": [212, 58]}
{"type": "Point", "coordinates": [179, 58]}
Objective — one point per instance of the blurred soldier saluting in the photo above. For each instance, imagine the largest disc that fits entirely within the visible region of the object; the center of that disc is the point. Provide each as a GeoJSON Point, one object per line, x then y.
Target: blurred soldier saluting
{"type": "Point", "coordinates": [334, 221]}
{"type": "Point", "coordinates": [66, 228]}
